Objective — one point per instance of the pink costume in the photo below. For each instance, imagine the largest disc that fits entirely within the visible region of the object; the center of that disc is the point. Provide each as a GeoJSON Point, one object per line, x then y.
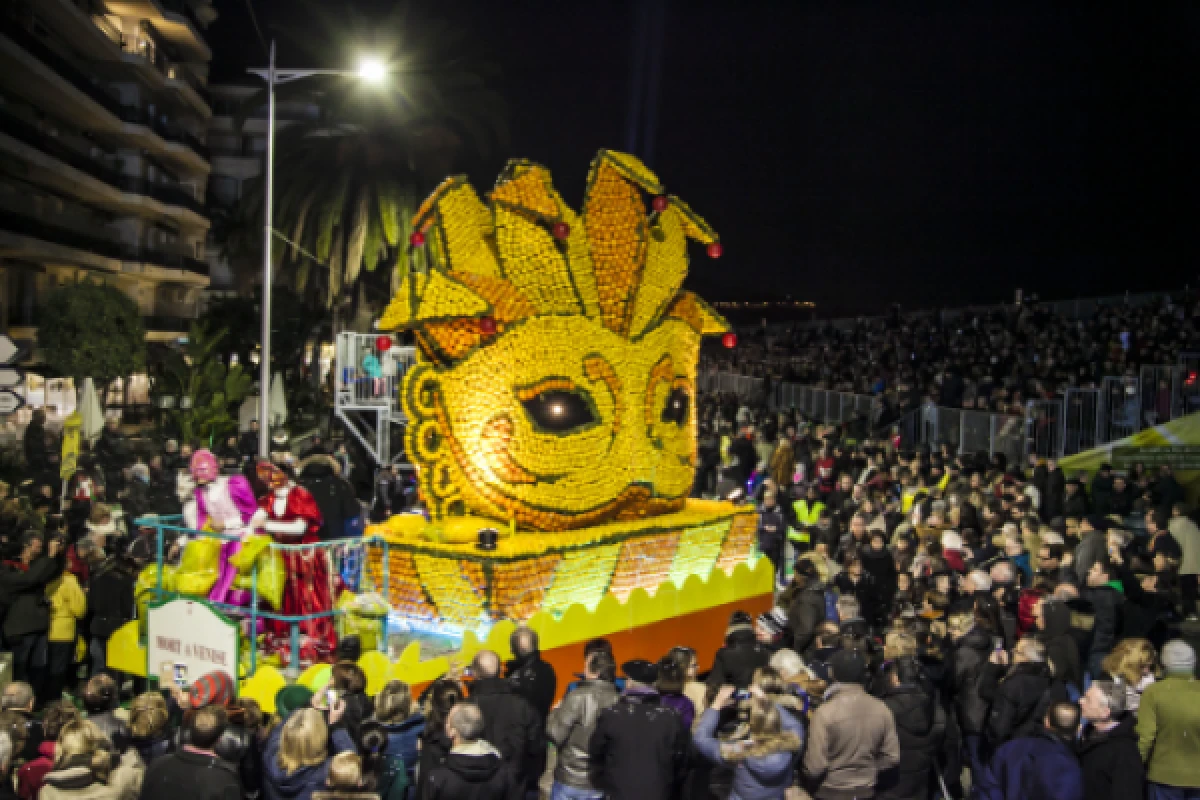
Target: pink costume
{"type": "Point", "coordinates": [230, 500]}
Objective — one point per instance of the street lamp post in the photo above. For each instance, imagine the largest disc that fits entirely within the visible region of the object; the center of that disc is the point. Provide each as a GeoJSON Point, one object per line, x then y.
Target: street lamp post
{"type": "Point", "coordinates": [371, 71]}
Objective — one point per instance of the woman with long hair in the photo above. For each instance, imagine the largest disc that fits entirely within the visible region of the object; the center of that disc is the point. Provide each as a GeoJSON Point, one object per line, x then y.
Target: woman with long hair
{"type": "Point", "coordinates": [764, 761]}
{"type": "Point", "coordinates": [1135, 662]}
{"type": "Point", "coordinates": [444, 694]}
{"type": "Point", "coordinates": [85, 767]}
{"type": "Point", "coordinates": [149, 721]}
{"type": "Point", "coordinates": [402, 722]}
{"type": "Point", "coordinates": [297, 761]}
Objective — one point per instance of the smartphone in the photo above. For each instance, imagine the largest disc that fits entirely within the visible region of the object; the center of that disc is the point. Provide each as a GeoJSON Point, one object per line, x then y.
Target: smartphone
{"type": "Point", "coordinates": [181, 674]}
{"type": "Point", "coordinates": [741, 694]}
{"type": "Point", "coordinates": [997, 643]}
{"type": "Point", "coordinates": [331, 698]}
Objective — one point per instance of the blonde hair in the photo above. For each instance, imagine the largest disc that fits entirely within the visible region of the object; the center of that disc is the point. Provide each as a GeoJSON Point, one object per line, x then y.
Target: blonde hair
{"type": "Point", "coordinates": [82, 739]}
{"type": "Point", "coordinates": [148, 715]}
{"type": "Point", "coordinates": [303, 740]}
{"type": "Point", "coordinates": [899, 644]}
{"type": "Point", "coordinates": [766, 734]}
{"type": "Point", "coordinates": [960, 624]}
{"type": "Point", "coordinates": [1130, 660]}
{"type": "Point", "coordinates": [345, 772]}
{"type": "Point", "coordinates": [394, 702]}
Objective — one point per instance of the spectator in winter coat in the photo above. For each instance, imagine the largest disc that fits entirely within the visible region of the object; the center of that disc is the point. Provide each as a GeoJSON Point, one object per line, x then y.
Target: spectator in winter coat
{"type": "Point", "coordinates": [531, 677]}
{"type": "Point", "coordinates": [1135, 663]}
{"type": "Point", "coordinates": [401, 723]}
{"type": "Point", "coordinates": [1188, 535]}
{"type": "Point", "coordinates": [1093, 544]}
{"type": "Point", "coordinates": [19, 700]}
{"type": "Point", "coordinates": [1102, 490]}
{"type": "Point", "coordinates": [1108, 745]}
{"type": "Point", "coordinates": [68, 604]}
{"type": "Point", "coordinates": [296, 762]}
{"type": "Point", "coordinates": [196, 772]}
{"type": "Point", "coordinates": [6, 758]}
{"type": "Point", "coordinates": [765, 762]}
{"type": "Point", "coordinates": [1107, 597]}
{"type": "Point", "coordinates": [805, 604]}
{"type": "Point", "coordinates": [444, 695]}
{"type": "Point", "coordinates": [1053, 620]}
{"type": "Point", "coordinates": [1015, 693]}
{"type": "Point", "coordinates": [972, 648]}
{"type": "Point", "coordinates": [639, 747]}
{"type": "Point", "coordinates": [32, 776]}
{"type": "Point", "coordinates": [23, 599]}
{"type": "Point", "coordinates": [571, 724]}
{"type": "Point", "coordinates": [852, 737]}
{"type": "Point", "coordinates": [920, 730]}
{"type": "Point", "coordinates": [1038, 767]}
{"type": "Point", "coordinates": [735, 663]}
{"type": "Point", "coordinates": [1168, 720]}
{"type": "Point", "coordinates": [321, 475]}
{"type": "Point", "coordinates": [672, 679]}
{"type": "Point", "coordinates": [510, 723]}
{"type": "Point", "coordinates": [474, 769]}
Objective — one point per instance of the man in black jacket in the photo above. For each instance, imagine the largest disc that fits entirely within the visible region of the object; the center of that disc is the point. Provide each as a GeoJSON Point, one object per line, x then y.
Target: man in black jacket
{"type": "Point", "coordinates": [805, 604]}
{"type": "Point", "coordinates": [473, 770]}
{"type": "Point", "coordinates": [321, 475]}
{"type": "Point", "coordinates": [639, 747]}
{"type": "Point", "coordinates": [972, 646]}
{"type": "Point", "coordinates": [195, 771]}
{"type": "Point", "coordinates": [736, 662]}
{"type": "Point", "coordinates": [1108, 746]}
{"type": "Point", "coordinates": [1015, 695]}
{"type": "Point", "coordinates": [1107, 606]}
{"type": "Point", "coordinates": [510, 723]}
{"type": "Point", "coordinates": [530, 676]}
{"type": "Point", "coordinates": [920, 728]}
{"type": "Point", "coordinates": [23, 597]}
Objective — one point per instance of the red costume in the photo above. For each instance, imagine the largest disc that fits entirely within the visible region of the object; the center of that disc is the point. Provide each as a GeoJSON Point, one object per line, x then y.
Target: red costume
{"type": "Point", "coordinates": [294, 518]}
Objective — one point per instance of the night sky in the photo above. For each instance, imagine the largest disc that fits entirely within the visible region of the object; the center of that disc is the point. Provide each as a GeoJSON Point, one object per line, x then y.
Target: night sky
{"type": "Point", "coordinates": [854, 154]}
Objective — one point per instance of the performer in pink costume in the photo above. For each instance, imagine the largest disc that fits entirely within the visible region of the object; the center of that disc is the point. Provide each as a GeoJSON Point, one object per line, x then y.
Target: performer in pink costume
{"type": "Point", "coordinates": [226, 505]}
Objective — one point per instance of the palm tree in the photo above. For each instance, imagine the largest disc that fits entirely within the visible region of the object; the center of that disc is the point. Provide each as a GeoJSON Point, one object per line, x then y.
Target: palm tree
{"type": "Point", "coordinates": [348, 181]}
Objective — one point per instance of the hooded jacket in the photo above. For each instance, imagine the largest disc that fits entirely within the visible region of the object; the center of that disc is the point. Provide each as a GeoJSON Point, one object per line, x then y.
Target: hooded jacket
{"type": "Point", "coordinates": [570, 727]}
{"type": "Point", "coordinates": [473, 772]}
{"type": "Point", "coordinates": [1112, 767]}
{"type": "Point", "coordinates": [920, 728]}
{"type": "Point", "coordinates": [765, 774]}
{"type": "Point", "coordinates": [1061, 650]}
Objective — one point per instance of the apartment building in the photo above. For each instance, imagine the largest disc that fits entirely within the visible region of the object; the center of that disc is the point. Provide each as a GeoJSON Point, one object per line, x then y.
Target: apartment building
{"type": "Point", "coordinates": [104, 112]}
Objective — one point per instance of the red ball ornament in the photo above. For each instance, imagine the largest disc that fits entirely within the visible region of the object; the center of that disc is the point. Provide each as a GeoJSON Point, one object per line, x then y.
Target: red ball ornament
{"type": "Point", "coordinates": [561, 230]}
{"type": "Point", "coordinates": [417, 239]}
{"type": "Point", "coordinates": [715, 250]}
{"type": "Point", "coordinates": [729, 340]}
{"type": "Point", "coordinates": [660, 203]}
{"type": "Point", "coordinates": [487, 326]}
{"type": "Point", "coordinates": [383, 343]}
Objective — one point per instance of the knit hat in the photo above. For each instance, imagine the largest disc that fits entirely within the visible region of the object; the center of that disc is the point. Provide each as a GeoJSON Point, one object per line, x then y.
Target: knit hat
{"type": "Point", "coordinates": [213, 689]}
{"type": "Point", "coordinates": [641, 671]}
{"type": "Point", "coordinates": [292, 698]}
{"type": "Point", "coordinates": [773, 622]}
{"type": "Point", "coordinates": [1178, 656]}
{"type": "Point", "coordinates": [204, 466]}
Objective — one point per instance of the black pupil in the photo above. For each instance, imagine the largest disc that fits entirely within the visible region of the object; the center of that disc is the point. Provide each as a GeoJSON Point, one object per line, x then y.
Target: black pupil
{"type": "Point", "coordinates": [676, 409]}
{"type": "Point", "coordinates": [559, 411]}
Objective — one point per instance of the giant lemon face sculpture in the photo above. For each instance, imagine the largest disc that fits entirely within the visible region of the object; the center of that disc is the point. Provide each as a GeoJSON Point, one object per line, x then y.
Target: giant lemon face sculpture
{"type": "Point", "coordinates": [558, 352]}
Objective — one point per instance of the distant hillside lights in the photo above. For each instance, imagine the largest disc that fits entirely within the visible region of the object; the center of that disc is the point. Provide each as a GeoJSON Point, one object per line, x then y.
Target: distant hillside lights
{"type": "Point", "coordinates": [765, 305]}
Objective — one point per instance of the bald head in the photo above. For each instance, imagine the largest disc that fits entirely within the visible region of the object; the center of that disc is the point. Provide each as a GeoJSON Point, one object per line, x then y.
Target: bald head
{"type": "Point", "coordinates": [486, 664]}
{"type": "Point", "coordinates": [1063, 719]}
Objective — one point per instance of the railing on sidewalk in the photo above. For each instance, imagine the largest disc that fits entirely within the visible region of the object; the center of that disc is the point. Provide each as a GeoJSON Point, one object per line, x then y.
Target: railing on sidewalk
{"type": "Point", "coordinates": [964, 430]}
{"type": "Point", "coordinates": [825, 405]}
{"type": "Point", "coordinates": [713, 381]}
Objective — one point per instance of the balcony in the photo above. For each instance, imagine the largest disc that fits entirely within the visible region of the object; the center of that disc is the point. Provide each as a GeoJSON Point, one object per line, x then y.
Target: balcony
{"type": "Point", "coordinates": [64, 68]}
{"type": "Point", "coordinates": [173, 20]}
{"type": "Point", "coordinates": [169, 132]}
{"type": "Point", "coordinates": [57, 234]}
{"type": "Point", "coordinates": [28, 134]}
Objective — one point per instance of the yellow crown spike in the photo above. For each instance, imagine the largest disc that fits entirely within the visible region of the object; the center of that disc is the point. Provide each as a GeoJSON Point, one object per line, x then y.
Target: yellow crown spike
{"type": "Point", "coordinates": [614, 216]}
{"type": "Point", "coordinates": [698, 314]}
{"type": "Point", "coordinates": [430, 297]}
{"type": "Point", "coordinates": [666, 267]}
{"type": "Point", "coordinates": [531, 261]}
{"type": "Point", "coordinates": [460, 222]}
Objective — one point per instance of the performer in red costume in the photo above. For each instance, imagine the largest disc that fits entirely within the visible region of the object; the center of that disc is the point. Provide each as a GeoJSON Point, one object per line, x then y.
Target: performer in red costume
{"type": "Point", "coordinates": [293, 518]}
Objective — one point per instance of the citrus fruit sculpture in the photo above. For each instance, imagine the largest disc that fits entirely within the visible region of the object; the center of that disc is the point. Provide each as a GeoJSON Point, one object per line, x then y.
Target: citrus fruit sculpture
{"type": "Point", "coordinates": [554, 397]}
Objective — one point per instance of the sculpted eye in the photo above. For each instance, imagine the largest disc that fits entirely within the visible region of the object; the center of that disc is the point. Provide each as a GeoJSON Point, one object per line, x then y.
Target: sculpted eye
{"type": "Point", "coordinates": [676, 409]}
{"type": "Point", "coordinates": [560, 410]}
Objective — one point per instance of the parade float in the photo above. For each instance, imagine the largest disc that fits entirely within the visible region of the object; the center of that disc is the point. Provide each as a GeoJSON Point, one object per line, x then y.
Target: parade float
{"type": "Point", "coordinates": [551, 418]}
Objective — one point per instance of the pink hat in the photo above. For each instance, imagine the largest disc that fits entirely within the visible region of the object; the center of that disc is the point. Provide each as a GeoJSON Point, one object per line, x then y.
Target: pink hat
{"type": "Point", "coordinates": [204, 466]}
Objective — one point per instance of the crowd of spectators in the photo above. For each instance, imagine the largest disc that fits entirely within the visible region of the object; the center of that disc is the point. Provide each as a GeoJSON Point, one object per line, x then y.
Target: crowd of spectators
{"type": "Point", "coordinates": [994, 360]}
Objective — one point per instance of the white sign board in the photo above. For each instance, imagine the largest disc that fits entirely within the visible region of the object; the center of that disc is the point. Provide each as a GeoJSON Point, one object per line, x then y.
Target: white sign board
{"type": "Point", "coordinates": [187, 639]}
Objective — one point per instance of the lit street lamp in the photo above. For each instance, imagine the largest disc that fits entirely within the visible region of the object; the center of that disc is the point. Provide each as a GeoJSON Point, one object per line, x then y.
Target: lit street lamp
{"type": "Point", "coordinates": [370, 70]}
